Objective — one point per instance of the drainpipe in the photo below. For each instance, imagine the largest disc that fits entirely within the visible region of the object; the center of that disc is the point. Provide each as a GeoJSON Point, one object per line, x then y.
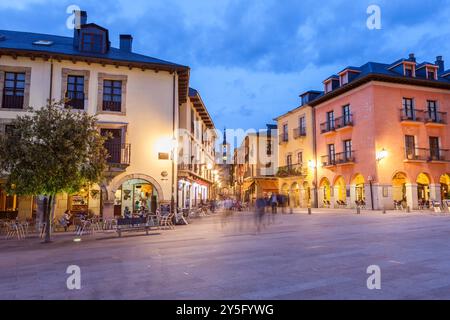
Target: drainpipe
{"type": "Point", "coordinates": [50, 93]}
{"type": "Point", "coordinates": [316, 186]}
{"type": "Point", "coordinates": [172, 200]}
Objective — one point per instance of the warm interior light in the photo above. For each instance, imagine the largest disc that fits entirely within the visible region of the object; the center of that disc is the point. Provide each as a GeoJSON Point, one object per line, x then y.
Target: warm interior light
{"type": "Point", "coordinates": [382, 154]}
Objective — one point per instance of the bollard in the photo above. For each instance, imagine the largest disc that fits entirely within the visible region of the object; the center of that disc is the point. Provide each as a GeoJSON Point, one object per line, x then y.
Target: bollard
{"type": "Point", "coordinates": [384, 210]}
{"type": "Point", "coordinates": [309, 211]}
{"type": "Point", "coordinates": [408, 209]}
{"type": "Point", "coordinates": [358, 210]}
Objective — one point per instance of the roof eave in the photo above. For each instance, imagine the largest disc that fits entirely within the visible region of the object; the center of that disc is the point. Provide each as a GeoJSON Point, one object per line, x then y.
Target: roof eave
{"type": "Point", "coordinates": [378, 77]}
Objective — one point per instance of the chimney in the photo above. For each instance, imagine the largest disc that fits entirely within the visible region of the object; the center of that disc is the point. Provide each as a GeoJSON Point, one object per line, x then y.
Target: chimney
{"type": "Point", "coordinates": [412, 57]}
{"type": "Point", "coordinates": [440, 63]}
{"type": "Point", "coordinates": [126, 42]}
{"type": "Point", "coordinates": [79, 19]}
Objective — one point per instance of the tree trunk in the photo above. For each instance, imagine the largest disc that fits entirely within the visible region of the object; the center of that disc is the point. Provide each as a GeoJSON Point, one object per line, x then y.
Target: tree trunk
{"type": "Point", "coordinates": [48, 218]}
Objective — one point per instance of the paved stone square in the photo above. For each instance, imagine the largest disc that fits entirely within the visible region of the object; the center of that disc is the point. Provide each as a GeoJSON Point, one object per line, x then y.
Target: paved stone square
{"type": "Point", "coordinates": [323, 256]}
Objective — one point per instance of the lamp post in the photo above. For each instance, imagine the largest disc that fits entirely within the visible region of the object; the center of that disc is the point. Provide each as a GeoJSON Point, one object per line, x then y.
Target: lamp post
{"type": "Point", "coordinates": [313, 166]}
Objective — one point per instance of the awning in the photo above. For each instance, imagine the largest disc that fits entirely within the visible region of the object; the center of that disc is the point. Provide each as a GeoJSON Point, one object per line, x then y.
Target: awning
{"type": "Point", "coordinates": [268, 185]}
{"type": "Point", "coordinates": [247, 185]}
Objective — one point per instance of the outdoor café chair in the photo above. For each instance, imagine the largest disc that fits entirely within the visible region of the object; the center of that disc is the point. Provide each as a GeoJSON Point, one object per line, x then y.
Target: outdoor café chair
{"type": "Point", "coordinates": [166, 221]}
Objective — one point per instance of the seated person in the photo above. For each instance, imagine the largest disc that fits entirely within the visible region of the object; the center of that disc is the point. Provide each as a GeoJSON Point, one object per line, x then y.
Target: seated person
{"type": "Point", "coordinates": [127, 213]}
{"type": "Point", "coordinates": [66, 220]}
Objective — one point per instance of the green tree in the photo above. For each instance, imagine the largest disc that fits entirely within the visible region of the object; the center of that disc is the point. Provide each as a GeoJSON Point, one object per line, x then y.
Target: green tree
{"type": "Point", "coordinates": [52, 150]}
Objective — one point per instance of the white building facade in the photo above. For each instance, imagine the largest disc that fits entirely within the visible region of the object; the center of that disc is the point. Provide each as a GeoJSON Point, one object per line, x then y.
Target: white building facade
{"type": "Point", "coordinates": [134, 97]}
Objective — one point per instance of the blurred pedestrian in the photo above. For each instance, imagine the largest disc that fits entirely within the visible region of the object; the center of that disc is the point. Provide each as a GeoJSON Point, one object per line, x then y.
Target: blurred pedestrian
{"type": "Point", "coordinates": [274, 203]}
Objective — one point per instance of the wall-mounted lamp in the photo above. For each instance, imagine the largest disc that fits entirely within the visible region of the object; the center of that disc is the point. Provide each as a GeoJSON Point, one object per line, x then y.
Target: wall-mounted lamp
{"type": "Point", "coordinates": [382, 155]}
{"type": "Point", "coordinates": [311, 164]}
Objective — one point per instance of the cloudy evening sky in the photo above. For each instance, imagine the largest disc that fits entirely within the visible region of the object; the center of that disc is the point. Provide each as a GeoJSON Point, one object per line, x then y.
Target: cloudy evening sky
{"type": "Point", "coordinates": [251, 59]}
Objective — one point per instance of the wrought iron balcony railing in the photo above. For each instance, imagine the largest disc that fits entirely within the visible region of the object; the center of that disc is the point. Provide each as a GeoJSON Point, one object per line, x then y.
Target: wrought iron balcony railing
{"type": "Point", "coordinates": [339, 158]}
{"type": "Point", "coordinates": [424, 154]}
{"type": "Point", "coordinates": [293, 170]}
{"type": "Point", "coordinates": [412, 115]}
{"type": "Point", "coordinates": [283, 138]}
{"type": "Point", "coordinates": [299, 132]}
{"type": "Point", "coordinates": [436, 117]}
{"type": "Point", "coordinates": [119, 153]}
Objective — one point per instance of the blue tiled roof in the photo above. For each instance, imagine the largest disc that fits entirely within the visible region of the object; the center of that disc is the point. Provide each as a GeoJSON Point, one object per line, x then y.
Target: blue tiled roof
{"type": "Point", "coordinates": [389, 73]}
{"type": "Point", "coordinates": [192, 92]}
{"type": "Point", "coordinates": [64, 45]}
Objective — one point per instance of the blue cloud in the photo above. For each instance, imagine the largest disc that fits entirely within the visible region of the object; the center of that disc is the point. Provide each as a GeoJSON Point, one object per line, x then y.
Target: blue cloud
{"type": "Point", "coordinates": [256, 53]}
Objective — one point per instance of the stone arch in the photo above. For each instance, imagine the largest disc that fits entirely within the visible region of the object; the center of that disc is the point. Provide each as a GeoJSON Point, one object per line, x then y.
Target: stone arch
{"type": "Point", "coordinates": [444, 181]}
{"type": "Point", "coordinates": [295, 195]}
{"type": "Point", "coordinates": [340, 188]}
{"type": "Point", "coordinates": [358, 188]}
{"type": "Point", "coordinates": [117, 182]}
{"type": "Point", "coordinates": [424, 178]}
{"type": "Point", "coordinates": [399, 181]}
{"type": "Point", "coordinates": [402, 175]}
{"type": "Point", "coordinates": [285, 189]}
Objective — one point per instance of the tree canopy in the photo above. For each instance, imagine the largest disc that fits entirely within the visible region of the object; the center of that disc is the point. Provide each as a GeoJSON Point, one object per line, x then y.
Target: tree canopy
{"type": "Point", "coordinates": [51, 150]}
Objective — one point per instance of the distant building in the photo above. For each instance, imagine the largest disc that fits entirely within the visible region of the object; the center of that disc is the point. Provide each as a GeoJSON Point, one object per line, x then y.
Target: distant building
{"type": "Point", "coordinates": [256, 165]}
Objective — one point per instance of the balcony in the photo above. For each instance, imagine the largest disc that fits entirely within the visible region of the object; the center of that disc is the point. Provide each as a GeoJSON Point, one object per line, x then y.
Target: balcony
{"type": "Point", "coordinates": [327, 127]}
{"type": "Point", "coordinates": [283, 138]}
{"type": "Point", "coordinates": [12, 102]}
{"type": "Point", "coordinates": [193, 169]}
{"type": "Point", "coordinates": [293, 170]}
{"type": "Point", "coordinates": [440, 155]}
{"type": "Point", "coordinates": [74, 103]}
{"type": "Point", "coordinates": [412, 116]}
{"type": "Point", "coordinates": [113, 106]}
{"type": "Point", "coordinates": [427, 155]}
{"type": "Point", "coordinates": [343, 158]}
{"type": "Point", "coordinates": [299, 133]}
{"type": "Point", "coordinates": [119, 154]}
{"type": "Point", "coordinates": [436, 119]}
{"type": "Point", "coordinates": [343, 122]}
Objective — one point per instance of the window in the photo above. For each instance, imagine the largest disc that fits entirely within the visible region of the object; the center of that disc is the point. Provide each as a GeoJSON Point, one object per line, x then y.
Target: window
{"type": "Point", "coordinates": [330, 120]}
{"type": "Point", "coordinates": [409, 71]}
{"type": "Point", "coordinates": [285, 132]}
{"type": "Point", "coordinates": [434, 148]}
{"type": "Point", "coordinates": [348, 149]}
{"type": "Point", "coordinates": [112, 95]}
{"type": "Point", "coordinates": [289, 161]}
{"type": "Point", "coordinates": [300, 158]}
{"type": "Point", "coordinates": [408, 109]}
{"type": "Point", "coordinates": [432, 111]}
{"type": "Point", "coordinates": [347, 116]}
{"type": "Point", "coordinates": [328, 86]}
{"type": "Point", "coordinates": [14, 90]}
{"type": "Point", "coordinates": [410, 147]}
{"type": "Point", "coordinates": [75, 92]}
{"type": "Point", "coordinates": [92, 42]}
{"type": "Point", "coordinates": [331, 154]}
{"type": "Point", "coordinates": [302, 126]}
{"type": "Point", "coordinates": [192, 122]}
{"type": "Point", "coordinates": [431, 74]}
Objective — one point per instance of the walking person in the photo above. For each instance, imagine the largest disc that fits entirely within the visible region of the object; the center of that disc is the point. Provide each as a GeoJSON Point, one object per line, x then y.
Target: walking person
{"type": "Point", "coordinates": [274, 203]}
{"type": "Point", "coordinates": [259, 213]}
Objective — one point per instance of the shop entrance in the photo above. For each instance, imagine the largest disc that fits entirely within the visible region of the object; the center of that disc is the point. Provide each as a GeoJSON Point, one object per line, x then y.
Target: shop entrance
{"type": "Point", "coordinates": [423, 188]}
{"type": "Point", "coordinates": [445, 184]}
{"type": "Point", "coordinates": [136, 195]}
